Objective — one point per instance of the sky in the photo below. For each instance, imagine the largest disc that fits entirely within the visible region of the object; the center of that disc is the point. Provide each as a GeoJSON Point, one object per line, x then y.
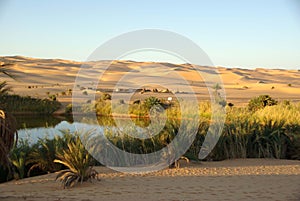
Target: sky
{"type": "Point", "coordinates": [233, 33]}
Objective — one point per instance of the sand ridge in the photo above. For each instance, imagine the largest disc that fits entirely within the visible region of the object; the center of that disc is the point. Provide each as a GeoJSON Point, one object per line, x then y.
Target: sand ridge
{"type": "Point", "coordinates": [39, 77]}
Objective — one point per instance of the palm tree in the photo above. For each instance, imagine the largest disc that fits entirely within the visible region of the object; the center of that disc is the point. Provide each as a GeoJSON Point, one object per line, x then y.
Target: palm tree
{"type": "Point", "coordinates": [8, 137]}
{"type": "Point", "coordinates": [44, 153]}
{"type": "Point", "coordinates": [8, 130]}
{"type": "Point", "coordinates": [78, 160]}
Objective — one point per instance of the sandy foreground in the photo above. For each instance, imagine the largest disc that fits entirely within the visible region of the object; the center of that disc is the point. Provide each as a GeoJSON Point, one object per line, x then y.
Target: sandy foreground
{"type": "Point", "coordinates": [242, 179]}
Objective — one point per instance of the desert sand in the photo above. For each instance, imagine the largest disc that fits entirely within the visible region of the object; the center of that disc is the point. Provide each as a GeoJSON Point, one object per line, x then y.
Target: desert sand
{"type": "Point", "coordinates": [241, 179]}
{"type": "Point", "coordinates": [40, 77]}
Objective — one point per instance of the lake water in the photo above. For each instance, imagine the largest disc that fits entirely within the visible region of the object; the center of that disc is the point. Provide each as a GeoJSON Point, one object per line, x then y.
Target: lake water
{"type": "Point", "coordinates": [33, 127]}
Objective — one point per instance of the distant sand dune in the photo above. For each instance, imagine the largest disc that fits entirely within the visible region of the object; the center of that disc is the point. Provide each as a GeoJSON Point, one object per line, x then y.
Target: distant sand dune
{"type": "Point", "coordinates": [240, 84]}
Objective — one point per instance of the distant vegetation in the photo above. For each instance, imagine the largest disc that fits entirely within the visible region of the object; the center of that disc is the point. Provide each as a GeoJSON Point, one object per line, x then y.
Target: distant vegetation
{"type": "Point", "coordinates": [261, 102]}
{"type": "Point", "coordinates": [19, 104]}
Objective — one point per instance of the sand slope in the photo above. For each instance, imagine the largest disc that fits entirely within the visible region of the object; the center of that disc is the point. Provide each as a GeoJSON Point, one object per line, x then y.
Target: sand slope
{"type": "Point", "coordinates": [37, 77]}
{"type": "Point", "coordinates": [243, 179]}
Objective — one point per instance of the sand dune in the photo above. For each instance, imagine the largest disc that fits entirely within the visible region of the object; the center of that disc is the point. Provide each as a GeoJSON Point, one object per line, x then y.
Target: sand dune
{"type": "Point", "coordinates": [36, 77]}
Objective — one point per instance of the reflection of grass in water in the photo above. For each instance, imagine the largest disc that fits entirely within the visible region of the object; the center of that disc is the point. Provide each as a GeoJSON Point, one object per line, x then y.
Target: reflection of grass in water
{"type": "Point", "coordinates": [35, 121]}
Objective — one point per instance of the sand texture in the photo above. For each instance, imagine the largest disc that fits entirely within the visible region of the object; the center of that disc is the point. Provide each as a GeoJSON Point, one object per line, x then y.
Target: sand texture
{"type": "Point", "coordinates": [242, 179]}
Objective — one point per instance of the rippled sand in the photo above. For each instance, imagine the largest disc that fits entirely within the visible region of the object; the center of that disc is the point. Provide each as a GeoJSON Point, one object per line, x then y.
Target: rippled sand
{"type": "Point", "coordinates": [243, 179]}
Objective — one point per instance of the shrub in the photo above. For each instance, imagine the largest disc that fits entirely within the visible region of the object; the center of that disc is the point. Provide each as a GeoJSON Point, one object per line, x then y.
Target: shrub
{"type": "Point", "coordinates": [52, 97]}
{"type": "Point", "coordinates": [151, 101]}
{"type": "Point", "coordinates": [261, 102]}
{"type": "Point", "coordinates": [44, 152]}
{"type": "Point", "coordinates": [78, 160]}
{"type": "Point", "coordinates": [68, 109]}
{"type": "Point", "coordinates": [105, 96]}
{"type": "Point", "coordinates": [18, 157]}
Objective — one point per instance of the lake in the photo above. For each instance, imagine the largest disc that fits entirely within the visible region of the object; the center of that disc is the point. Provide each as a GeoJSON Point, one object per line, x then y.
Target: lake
{"type": "Point", "coordinates": [32, 127]}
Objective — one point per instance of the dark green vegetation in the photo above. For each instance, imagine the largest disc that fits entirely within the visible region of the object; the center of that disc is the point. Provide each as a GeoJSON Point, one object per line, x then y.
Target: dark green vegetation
{"type": "Point", "coordinates": [64, 152]}
{"type": "Point", "coordinates": [19, 104]}
{"type": "Point", "coordinates": [8, 136]}
{"type": "Point", "coordinates": [261, 102]}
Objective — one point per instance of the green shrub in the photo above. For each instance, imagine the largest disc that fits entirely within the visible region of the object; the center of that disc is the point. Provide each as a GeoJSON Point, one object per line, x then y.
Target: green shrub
{"type": "Point", "coordinates": [19, 157]}
{"type": "Point", "coordinates": [68, 109]}
{"type": "Point", "coordinates": [261, 102]}
{"type": "Point", "coordinates": [52, 97]}
{"type": "Point", "coordinates": [78, 160]}
{"type": "Point", "coordinates": [151, 101]}
{"type": "Point", "coordinates": [44, 152]}
{"type": "Point", "coordinates": [105, 96]}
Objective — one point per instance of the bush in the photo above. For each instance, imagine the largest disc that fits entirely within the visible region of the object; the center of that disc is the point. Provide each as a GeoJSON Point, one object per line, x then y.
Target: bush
{"type": "Point", "coordinates": [105, 96]}
{"type": "Point", "coordinates": [151, 101]}
{"type": "Point", "coordinates": [78, 160]}
{"type": "Point", "coordinates": [260, 102]}
{"type": "Point", "coordinates": [52, 97]}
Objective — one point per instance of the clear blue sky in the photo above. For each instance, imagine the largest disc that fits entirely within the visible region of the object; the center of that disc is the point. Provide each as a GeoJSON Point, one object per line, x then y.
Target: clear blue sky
{"type": "Point", "coordinates": [234, 33]}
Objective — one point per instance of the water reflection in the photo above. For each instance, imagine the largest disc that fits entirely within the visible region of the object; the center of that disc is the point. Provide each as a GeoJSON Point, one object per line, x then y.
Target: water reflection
{"type": "Point", "coordinates": [34, 127]}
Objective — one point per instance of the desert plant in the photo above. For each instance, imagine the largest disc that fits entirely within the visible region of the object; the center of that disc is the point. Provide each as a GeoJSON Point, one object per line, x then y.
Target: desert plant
{"type": "Point", "coordinates": [151, 101]}
{"type": "Point", "coordinates": [76, 158]}
{"type": "Point", "coordinates": [44, 153]}
{"type": "Point", "coordinates": [19, 156]}
{"type": "Point", "coordinates": [261, 102]}
{"type": "Point", "coordinates": [52, 97]}
{"type": "Point", "coordinates": [105, 96]}
{"type": "Point", "coordinates": [8, 137]}
{"type": "Point", "coordinates": [217, 87]}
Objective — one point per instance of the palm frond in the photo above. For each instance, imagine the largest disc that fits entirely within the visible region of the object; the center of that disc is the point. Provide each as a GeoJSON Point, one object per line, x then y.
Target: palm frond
{"type": "Point", "coordinates": [77, 159]}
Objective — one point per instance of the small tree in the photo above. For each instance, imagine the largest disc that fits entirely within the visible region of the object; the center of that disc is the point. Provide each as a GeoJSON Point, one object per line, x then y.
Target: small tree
{"type": "Point", "coordinates": [8, 129]}
{"type": "Point", "coordinates": [78, 160]}
{"type": "Point", "coordinates": [260, 102]}
{"type": "Point", "coordinates": [105, 96]}
{"type": "Point", "coordinates": [151, 101]}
